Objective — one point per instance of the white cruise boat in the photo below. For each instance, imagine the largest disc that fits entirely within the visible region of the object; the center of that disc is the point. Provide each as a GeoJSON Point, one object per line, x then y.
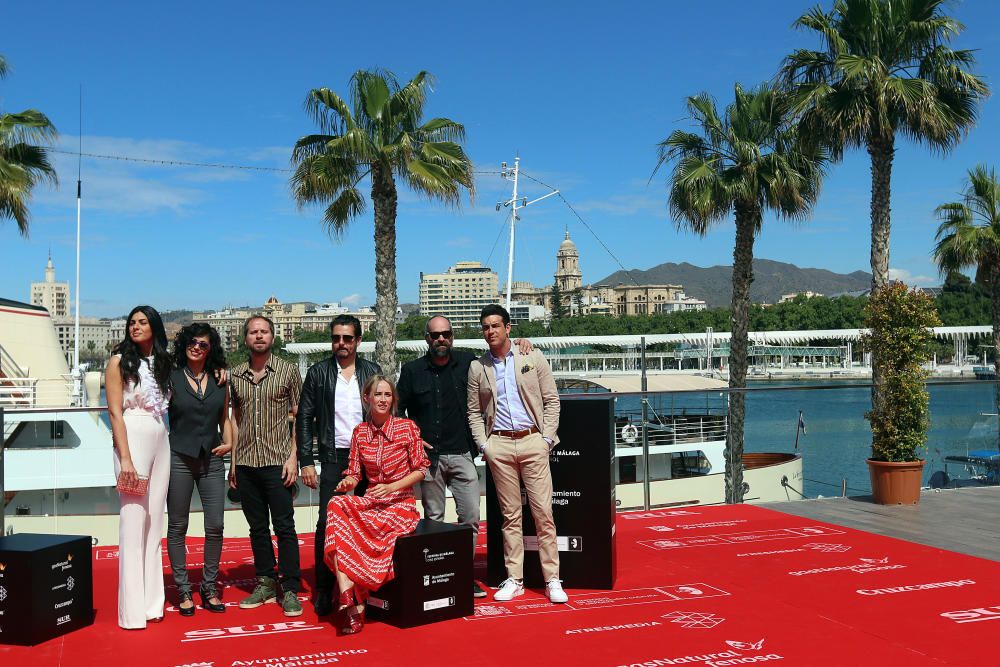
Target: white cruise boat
{"type": "Point", "coordinates": [58, 475]}
{"type": "Point", "coordinates": [685, 430]}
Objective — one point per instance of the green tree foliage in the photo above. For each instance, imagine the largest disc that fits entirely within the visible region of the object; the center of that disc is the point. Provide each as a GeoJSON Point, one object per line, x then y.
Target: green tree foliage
{"type": "Point", "coordinates": [378, 133]}
{"type": "Point", "coordinates": [557, 303]}
{"type": "Point", "coordinates": [24, 160]}
{"type": "Point", "coordinates": [899, 320]}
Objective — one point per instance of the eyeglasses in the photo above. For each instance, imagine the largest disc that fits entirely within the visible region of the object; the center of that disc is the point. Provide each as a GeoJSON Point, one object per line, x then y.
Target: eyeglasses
{"type": "Point", "coordinates": [200, 344]}
{"type": "Point", "coordinates": [347, 338]}
{"type": "Point", "coordinates": [434, 335]}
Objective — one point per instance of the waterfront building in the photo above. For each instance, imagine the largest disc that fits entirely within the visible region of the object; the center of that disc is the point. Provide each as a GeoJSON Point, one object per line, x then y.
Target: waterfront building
{"type": "Point", "coordinates": [524, 312]}
{"type": "Point", "coordinates": [287, 318]}
{"type": "Point", "coordinates": [459, 294]}
{"type": "Point", "coordinates": [809, 294]}
{"type": "Point", "coordinates": [51, 295]}
{"type": "Point", "coordinates": [602, 299]}
{"type": "Point", "coordinates": [96, 339]}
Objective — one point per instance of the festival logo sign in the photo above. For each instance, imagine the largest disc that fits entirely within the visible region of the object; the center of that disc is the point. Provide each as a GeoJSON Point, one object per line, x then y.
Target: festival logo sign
{"type": "Point", "coordinates": [915, 587]}
{"type": "Point", "coordinates": [249, 631]}
{"type": "Point", "coordinates": [694, 619]}
{"type": "Point", "coordinates": [975, 615]}
{"type": "Point", "coordinates": [734, 653]}
{"type": "Point", "coordinates": [863, 566]}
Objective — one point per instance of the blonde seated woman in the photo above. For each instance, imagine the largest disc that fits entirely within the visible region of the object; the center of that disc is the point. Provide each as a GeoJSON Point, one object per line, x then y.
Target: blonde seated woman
{"type": "Point", "coordinates": [361, 531]}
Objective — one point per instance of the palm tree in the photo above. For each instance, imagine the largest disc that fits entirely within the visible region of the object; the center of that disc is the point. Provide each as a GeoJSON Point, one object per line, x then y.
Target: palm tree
{"type": "Point", "coordinates": [969, 236]}
{"type": "Point", "coordinates": [885, 69]}
{"type": "Point", "coordinates": [379, 134]}
{"type": "Point", "coordinates": [747, 162]}
{"type": "Point", "coordinates": [22, 163]}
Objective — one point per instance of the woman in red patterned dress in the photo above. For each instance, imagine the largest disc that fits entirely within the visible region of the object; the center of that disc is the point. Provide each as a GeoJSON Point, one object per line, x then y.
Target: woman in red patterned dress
{"type": "Point", "coordinates": [361, 531]}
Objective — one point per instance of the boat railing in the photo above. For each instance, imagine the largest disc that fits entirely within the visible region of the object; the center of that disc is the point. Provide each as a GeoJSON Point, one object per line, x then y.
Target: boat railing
{"type": "Point", "coordinates": [32, 392]}
{"type": "Point", "coordinates": [8, 367]}
{"type": "Point", "coordinates": [668, 429]}
{"type": "Point", "coordinates": [18, 391]}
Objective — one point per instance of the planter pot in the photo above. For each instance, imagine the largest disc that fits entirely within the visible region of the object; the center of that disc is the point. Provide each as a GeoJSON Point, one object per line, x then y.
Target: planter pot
{"type": "Point", "coordinates": [896, 483]}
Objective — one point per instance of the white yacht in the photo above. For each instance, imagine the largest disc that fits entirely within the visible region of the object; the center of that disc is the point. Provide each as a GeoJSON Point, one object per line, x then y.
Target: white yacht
{"type": "Point", "coordinates": [58, 475]}
{"type": "Point", "coordinates": [684, 427]}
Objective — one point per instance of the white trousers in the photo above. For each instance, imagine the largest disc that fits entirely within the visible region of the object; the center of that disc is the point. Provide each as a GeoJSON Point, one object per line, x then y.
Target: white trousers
{"type": "Point", "coordinates": [140, 523]}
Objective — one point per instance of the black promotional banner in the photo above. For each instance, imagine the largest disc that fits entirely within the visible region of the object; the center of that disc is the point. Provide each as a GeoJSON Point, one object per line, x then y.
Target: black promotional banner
{"type": "Point", "coordinates": [583, 501]}
{"type": "Point", "coordinates": [46, 587]}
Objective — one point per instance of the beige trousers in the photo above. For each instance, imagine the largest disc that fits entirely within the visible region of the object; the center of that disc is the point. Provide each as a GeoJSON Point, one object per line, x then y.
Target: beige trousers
{"type": "Point", "coordinates": [140, 524]}
{"type": "Point", "coordinates": [511, 462]}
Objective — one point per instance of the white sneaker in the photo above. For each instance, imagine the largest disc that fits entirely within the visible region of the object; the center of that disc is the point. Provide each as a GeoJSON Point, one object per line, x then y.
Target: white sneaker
{"type": "Point", "coordinates": [509, 589]}
{"type": "Point", "coordinates": [555, 592]}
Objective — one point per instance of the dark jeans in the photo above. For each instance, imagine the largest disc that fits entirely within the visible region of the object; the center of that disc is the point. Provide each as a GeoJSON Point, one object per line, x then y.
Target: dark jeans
{"type": "Point", "coordinates": [262, 495]}
{"type": "Point", "coordinates": [329, 478]}
{"type": "Point", "coordinates": [208, 473]}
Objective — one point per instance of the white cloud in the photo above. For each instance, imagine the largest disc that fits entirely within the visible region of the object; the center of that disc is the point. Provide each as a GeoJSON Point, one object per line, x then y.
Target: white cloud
{"type": "Point", "coordinates": [626, 205]}
{"type": "Point", "coordinates": [351, 300]}
{"type": "Point", "coordinates": [913, 280]}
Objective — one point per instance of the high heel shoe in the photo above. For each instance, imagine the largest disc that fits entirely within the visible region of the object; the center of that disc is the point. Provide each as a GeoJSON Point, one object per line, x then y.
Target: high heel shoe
{"type": "Point", "coordinates": [186, 611]}
{"type": "Point", "coordinates": [352, 621]}
{"type": "Point", "coordinates": [207, 593]}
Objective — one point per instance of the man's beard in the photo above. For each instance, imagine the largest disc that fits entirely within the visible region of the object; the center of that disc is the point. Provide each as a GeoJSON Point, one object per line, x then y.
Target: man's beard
{"type": "Point", "coordinates": [440, 351]}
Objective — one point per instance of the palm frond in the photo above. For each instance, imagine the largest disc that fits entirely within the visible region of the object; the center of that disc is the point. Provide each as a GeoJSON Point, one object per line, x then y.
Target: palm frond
{"type": "Point", "coordinates": [348, 206]}
{"type": "Point", "coordinates": [441, 129]}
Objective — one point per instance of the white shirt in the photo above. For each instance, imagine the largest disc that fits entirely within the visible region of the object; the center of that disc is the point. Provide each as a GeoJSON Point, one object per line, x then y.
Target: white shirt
{"type": "Point", "coordinates": [346, 410]}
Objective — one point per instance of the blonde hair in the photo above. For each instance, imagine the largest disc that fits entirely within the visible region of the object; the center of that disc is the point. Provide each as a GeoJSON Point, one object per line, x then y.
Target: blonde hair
{"type": "Point", "coordinates": [369, 390]}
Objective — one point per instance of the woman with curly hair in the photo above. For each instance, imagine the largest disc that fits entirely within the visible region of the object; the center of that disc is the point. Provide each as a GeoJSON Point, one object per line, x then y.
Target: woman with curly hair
{"type": "Point", "coordinates": [138, 390]}
{"type": "Point", "coordinates": [200, 436]}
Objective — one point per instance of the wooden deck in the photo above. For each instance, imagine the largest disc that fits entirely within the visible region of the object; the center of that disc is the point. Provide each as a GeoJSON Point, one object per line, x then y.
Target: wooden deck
{"type": "Point", "coordinates": [965, 520]}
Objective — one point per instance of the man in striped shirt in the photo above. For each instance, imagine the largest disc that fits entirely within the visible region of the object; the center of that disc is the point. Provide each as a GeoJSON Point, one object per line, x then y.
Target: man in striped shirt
{"type": "Point", "coordinates": [265, 396]}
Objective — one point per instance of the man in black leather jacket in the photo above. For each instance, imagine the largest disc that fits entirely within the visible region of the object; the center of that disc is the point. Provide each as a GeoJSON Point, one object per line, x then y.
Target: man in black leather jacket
{"type": "Point", "coordinates": [330, 420]}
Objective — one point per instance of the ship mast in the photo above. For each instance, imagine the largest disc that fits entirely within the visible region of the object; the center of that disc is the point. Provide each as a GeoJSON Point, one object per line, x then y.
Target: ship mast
{"type": "Point", "coordinates": [515, 205]}
{"type": "Point", "coordinates": [77, 373]}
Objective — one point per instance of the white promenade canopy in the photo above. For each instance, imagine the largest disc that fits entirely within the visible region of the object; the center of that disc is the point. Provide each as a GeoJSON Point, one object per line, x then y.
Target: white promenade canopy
{"type": "Point", "coordinates": [634, 341]}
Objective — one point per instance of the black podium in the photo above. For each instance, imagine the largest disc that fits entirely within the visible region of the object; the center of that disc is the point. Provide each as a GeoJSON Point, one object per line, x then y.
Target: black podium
{"type": "Point", "coordinates": [46, 587]}
{"type": "Point", "coordinates": [583, 501]}
{"type": "Point", "coordinates": [433, 582]}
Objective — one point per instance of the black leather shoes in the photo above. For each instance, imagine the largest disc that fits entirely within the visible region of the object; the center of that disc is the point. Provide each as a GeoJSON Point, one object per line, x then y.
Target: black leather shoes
{"type": "Point", "coordinates": [186, 611]}
{"type": "Point", "coordinates": [207, 593]}
{"type": "Point", "coordinates": [323, 602]}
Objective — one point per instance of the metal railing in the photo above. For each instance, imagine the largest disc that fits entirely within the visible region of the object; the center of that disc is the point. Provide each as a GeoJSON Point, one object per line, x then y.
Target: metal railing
{"type": "Point", "coordinates": [9, 367]}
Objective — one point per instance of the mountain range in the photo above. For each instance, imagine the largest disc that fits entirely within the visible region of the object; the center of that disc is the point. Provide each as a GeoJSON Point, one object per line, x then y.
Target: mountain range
{"type": "Point", "coordinates": [770, 280]}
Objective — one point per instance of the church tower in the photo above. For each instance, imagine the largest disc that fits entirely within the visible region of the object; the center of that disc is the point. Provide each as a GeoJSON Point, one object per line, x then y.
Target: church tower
{"type": "Point", "coordinates": [568, 276]}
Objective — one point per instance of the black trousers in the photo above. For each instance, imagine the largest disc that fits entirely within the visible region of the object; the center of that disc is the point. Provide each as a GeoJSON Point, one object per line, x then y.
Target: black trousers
{"type": "Point", "coordinates": [266, 500]}
{"type": "Point", "coordinates": [329, 478]}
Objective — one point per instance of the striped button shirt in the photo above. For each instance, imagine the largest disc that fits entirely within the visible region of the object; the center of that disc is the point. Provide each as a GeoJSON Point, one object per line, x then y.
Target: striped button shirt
{"type": "Point", "coordinates": [265, 408]}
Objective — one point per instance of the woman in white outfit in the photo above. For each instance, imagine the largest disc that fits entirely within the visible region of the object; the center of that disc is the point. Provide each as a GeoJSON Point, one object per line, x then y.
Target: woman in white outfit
{"type": "Point", "coordinates": [137, 383]}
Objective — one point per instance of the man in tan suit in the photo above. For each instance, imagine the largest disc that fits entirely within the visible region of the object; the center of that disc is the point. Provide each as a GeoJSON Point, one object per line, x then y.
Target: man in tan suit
{"type": "Point", "coordinates": [514, 415]}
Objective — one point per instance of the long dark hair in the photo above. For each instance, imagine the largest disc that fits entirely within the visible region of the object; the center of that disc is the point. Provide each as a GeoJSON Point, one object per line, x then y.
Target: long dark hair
{"type": "Point", "coordinates": [132, 355]}
{"type": "Point", "coordinates": [216, 357]}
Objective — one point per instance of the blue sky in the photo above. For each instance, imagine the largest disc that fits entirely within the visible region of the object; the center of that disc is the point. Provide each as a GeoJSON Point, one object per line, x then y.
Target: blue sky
{"type": "Point", "coordinates": [583, 91]}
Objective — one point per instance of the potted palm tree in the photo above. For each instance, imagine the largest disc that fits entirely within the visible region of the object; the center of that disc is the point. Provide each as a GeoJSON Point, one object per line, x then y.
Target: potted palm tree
{"type": "Point", "coordinates": [899, 332]}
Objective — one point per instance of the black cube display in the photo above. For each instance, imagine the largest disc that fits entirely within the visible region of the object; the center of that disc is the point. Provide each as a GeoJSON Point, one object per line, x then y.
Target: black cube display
{"type": "Point", "coordinates": [46, 587]}
{"type": "Point", "coordinates": [433, 582]}
{"type": "Point", "coordinates": [583, 501]}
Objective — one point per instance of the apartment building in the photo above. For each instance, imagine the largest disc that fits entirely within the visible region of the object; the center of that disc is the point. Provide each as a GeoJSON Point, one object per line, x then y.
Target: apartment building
{"type": "Point", "coordinates": [459, 294]}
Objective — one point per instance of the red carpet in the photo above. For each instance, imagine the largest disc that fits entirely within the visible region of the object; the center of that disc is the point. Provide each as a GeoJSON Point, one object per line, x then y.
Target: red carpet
{"type": "Point", "coordinates": [712, 586]}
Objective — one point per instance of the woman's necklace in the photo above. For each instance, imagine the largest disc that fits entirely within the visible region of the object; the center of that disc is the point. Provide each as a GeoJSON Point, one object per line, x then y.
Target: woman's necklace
{"type": "Point", "coordinates": [197, 380]}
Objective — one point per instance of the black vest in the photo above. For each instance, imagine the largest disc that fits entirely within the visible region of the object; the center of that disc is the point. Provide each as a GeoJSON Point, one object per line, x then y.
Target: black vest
{"type": "Point", "coordinates": [194, 422]}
